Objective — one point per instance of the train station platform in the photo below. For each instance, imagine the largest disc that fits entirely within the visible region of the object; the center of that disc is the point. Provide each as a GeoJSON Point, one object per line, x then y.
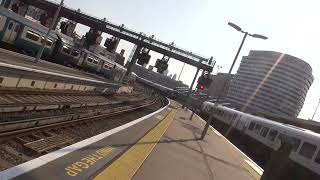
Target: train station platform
{"type": "Point", "coordinates": [161, 145]}
{"type": "Point", "coordinates": [18, 70]}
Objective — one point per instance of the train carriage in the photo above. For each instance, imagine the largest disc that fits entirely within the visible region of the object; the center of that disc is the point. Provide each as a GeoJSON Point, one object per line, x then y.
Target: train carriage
{"type": "Point", "coordinates": [120, 72]}
{"type": "Point", "coordinates": [24, 35]}
{"type": "Point", "coordinates": [90, 61]}
{"type": "Point", "coordinates": [108, 69]}
{"type": "Point", "coordinates": [266, 136]}
{"type": "Point", "coordinates": [66, 52]}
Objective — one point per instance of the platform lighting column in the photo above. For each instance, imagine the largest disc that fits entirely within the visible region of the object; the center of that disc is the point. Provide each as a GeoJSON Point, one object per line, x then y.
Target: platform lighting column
{"type": "Point", "coordinates": [315, 111]}
{"type": "Point", "coordinates": [43, 42]}
{"type": "Point", "coordinates": [181, 71]}
{"type": "Point", "coordinates": [204, 132]}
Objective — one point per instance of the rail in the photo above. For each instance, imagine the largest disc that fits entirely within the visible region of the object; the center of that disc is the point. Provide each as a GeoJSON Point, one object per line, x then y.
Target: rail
{"type": "Point", "coordinates": [7, 130]}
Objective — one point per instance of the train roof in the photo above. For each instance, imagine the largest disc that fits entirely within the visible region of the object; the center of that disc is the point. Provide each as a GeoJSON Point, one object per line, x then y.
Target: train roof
{"type": "Point", "coordinates": [104, 58]}
{"type": "Point", "coordinates": [25, 21]}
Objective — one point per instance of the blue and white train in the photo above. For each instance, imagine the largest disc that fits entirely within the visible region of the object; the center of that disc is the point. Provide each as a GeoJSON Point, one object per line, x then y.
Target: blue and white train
{"type": "Point", "coordinates": [266, 135]}
{"type": "Point", "coordinates": [26, 36]}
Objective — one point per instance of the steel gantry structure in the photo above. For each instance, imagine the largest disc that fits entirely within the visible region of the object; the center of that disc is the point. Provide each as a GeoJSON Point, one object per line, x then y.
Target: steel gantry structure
{"type": "Point", "coordinates": [138, 38]}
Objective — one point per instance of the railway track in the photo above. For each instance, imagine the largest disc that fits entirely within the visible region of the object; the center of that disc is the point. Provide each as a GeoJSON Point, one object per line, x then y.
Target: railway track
{"type": "Point", "coordinates": [28, 139]}
{"type": "Point", "coordinates": [13, 128]}
{"type": "Point", "coordinates": [26, 104]}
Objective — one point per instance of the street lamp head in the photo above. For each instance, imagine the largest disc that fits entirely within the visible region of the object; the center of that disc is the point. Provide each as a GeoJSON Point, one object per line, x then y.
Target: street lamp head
{"type": "Point", "coordinates": [234, 26]}
{"type": "Point", "coordinates": [259, 36]}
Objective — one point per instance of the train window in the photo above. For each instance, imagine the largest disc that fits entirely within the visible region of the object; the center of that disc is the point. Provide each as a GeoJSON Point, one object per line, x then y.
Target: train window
{"type": "Point", "coordinates": [307, 150]}
{"type": "Point", "coordinates": [16, 29]}
{"type": "Point", "coordinates": [10, 25]}
{"type": "Point", "coordinates": [66, 49]}
{"type": "Point", "coordinates": [257, 128]}
{"type": "Point", "coordinates": [75, 53]}
{"type": "Point", "coordinates": [95, 61]}
{"type": "Point", "coordinates": [106, 66]}
{"type": "Point", "coordinates": [33, 36]}
{"type": "Point", "coordinates": [272, 134]}
{"type": "Point", "coordinates": [264, 131]}
{"type": "Point", "coordinates": [317, 159]}
{"type": "Point", "coordinates": [1, 80]}
{"type": "Point", "coordinates": [295, 142]}
{"type": "Point", "coordinates": [90, 59]}
{"type": "Point", "coordinates": [234, 116]}
{"type": "Point", "coordinates": [251, 126]}
{"type": "Point", "coordinates": [48, 42]}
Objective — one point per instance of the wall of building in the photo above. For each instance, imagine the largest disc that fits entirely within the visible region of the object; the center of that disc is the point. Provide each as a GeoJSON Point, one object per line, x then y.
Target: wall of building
{"type": "Point", "coordinates": [219, 85]}
{"type": "Point", "coordinates": [272, 82]}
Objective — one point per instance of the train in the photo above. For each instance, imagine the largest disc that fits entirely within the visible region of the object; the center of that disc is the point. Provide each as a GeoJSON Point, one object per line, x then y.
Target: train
{"type": "Point", "coordinates": [266, 136]}
{"type": "Point", "coordinates": [26, 36]}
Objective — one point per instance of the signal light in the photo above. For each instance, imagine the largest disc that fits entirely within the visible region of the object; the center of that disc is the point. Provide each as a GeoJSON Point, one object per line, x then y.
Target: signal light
{"type": "Point", "coordinates": [204, 82]}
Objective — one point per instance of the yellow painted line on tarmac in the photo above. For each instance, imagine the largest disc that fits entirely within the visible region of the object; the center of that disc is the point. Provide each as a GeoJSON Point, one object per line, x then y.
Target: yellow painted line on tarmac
{"type": "Point", "coordinates": [125, 167]}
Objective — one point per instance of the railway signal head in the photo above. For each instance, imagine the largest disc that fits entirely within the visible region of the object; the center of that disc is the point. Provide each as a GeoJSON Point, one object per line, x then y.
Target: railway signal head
{"type": "Point", "coordinates": [144, 57]}
{"type": "Point", "coordinates": [204, 82]}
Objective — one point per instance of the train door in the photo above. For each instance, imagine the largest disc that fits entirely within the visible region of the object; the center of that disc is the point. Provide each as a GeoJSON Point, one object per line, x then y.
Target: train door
{"type": "Point", "coordinates": [11, 32]}
{"type": "Point", "coordinates": [100, 64]}
{"type": "Point", "coordinates": [82, 57]}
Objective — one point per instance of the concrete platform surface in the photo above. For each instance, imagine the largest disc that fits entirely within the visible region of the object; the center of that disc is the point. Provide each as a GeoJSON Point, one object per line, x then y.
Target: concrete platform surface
{"type": "Point", "coordinates": [163, 145]}
{"type": "Point", "coordinates": [181, 155]}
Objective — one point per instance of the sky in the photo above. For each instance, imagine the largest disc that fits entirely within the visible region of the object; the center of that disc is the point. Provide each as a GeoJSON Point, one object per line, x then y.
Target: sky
{"type": "Point", "coordinates": [292, 26]}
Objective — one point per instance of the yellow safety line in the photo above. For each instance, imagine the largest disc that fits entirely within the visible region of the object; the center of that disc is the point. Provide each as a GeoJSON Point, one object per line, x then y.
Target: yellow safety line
{"type": "Point", "coordinates": [129, 163]}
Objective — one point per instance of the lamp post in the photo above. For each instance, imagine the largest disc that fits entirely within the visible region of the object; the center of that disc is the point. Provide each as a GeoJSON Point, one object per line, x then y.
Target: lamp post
{"type": "Point", "coordinates": [181, 71]}
{"type": "Point", "coordinates": [315, 111]}
{"type": "Point", "coordinates": [236, 27]}
{"type": "Point", "coordinates": [43, 42]}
